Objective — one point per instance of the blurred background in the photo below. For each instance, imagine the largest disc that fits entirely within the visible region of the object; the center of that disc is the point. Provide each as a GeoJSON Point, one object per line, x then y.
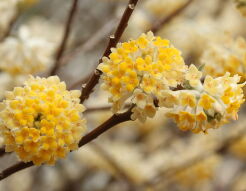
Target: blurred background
{"type": "Point", "coordinates": [156, 155]}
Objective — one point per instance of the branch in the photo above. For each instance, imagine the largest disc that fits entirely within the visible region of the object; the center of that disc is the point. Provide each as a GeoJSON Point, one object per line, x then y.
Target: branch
{"type": "Point", "coordinates": [159, 24]}
{"type": "Point", "coordinates": [114, 163]}
{"type": "Point", "coordinates": [10, 27]}
{"type": "Point", "coordinates": [2, 151]}
{"type": "Point", "coordinates": [15, 168]}
{"type": "Point", "coordinates": [113, 40]}
{"type": "Point", "coordinates": [93, 109]}
{"type": "Point", "coordinates": [80, 82]}
{"type": "Point", "coordinates": [88, 45]}
{"type": "Point", "coordinates": [63, 44]}
{"type": "Point", "coordinates": [103, 108]}
{"type": "Point", "coordinates": [111, 122]}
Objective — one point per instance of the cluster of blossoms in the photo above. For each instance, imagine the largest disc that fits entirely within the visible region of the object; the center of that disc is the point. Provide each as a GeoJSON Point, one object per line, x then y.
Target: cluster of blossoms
{"type": "Point", "coordinates": [9, 9]}
{"type": "Point", "coordinates": [140, 70]}
{"type": "Point", "coordinates": [228, 56]}
{"type": "Point", "coordinates": [199, 172]}
{"type": "Point", "coordinates": [207, 105]}
{"type": "Point", "coordinates": [25, 54]}
{"type": "Point", "coordinates": [241, 5]}
{"type": "Point", "coordinates": [149, 69]}
{"type": "Point", "coordinates": [42, 121]}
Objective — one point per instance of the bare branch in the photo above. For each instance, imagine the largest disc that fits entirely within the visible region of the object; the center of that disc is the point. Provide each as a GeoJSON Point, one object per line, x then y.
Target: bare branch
{"type": "Point", "coordinates": [111, 122]}
{"type": "Point", "coordinates": [10, 27]}
{"type": "Point", "coordinates": [63, 44]}
{"type": "Point", "coordinates": [91, 42]}
{"type": "Point", "coordinates": [15, 168]}
{"type": "Point", "coordinates": [113, 40]}
{"type": "Point", "coordinates": [111, 160]}
{"type": "Point", "coordinates": [160, 23]}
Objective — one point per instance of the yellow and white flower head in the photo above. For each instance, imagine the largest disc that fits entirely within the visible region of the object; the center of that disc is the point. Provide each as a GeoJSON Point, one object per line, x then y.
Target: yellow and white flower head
{"type": "Point", "coordinates": [42, 121]}
{"type": "Point", "coordinates": [207, 105]}
{"type": "Point", "coordinates": [224, 56]}
{"type": "Point", "coordinates": [138, 70]}
{"type": "Point", "coordinates": [241, 5]}
{"type": "Point", "coordinates": [25, 54]}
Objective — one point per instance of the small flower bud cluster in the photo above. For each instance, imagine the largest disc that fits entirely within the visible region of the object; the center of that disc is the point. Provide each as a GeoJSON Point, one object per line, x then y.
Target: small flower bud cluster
{"type": "Point", "coordinates": [139, 70]}
{"type": "Point", "coordinates": [42, 121]}
{"type": "Point", "coordinates": [25, 54]}
{"type": "Point", "coordinates": [226, 56]}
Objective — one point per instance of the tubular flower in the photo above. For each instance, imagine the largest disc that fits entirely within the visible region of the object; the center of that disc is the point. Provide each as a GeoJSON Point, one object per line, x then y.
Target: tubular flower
{"type": "Point", "coordinates": [241, 5]}
{"type": "Point", "coordinates": [207, 105]}
{"type": "Point", "coordinates": [229, 56]}
{"type": "Point", "coordinates": [42, 121]}
{"type": "Point", "coordinates": [139, 70]}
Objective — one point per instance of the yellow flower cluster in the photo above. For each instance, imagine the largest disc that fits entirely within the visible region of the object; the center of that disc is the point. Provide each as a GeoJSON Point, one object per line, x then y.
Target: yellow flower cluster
{"type": "Point", "coordinates": [139, 70]}
{"type": "Point", "coordinates": [25, 53]}
{"type": "Point", "coordinates": [42, 121]}
{"type": "Point", "coordinates": [241, 5]}
{"type": "Point", "coordinates": [226, 56]}
{"type": "Point", "coordinates": [198, 173]}
{"type": "Point", "coordinates": [207, 105]}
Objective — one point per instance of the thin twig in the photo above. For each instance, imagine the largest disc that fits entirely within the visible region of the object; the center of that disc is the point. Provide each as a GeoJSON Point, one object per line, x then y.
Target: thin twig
{"type": "Point", "coordinates": [113, 40]}
{"type": "Point", "coordinates": [80, 82]}
{"type": "Point", "coordinates": [88, 45]}
{"type": "Point", "coordinates": [111, 122]}
{"type": "Point", "coordinates": [10, 27]}
{"type": "Point", "coordinates": [2, 151]}
{"type": "Point", "coordinates": [110, 159]}
{"type": "Point", "coordinates": [103, 108]}
{"type": "Point", "coordinates": [160, 23]}
{"type": "Point", "coordinates": [93, 109]}
{"type": "Point", "coordinates": [13, 169]}
{"type": "Point", "coordinates": [63, 44]}
{"type": "Point", "coordinates": [220, 8]}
